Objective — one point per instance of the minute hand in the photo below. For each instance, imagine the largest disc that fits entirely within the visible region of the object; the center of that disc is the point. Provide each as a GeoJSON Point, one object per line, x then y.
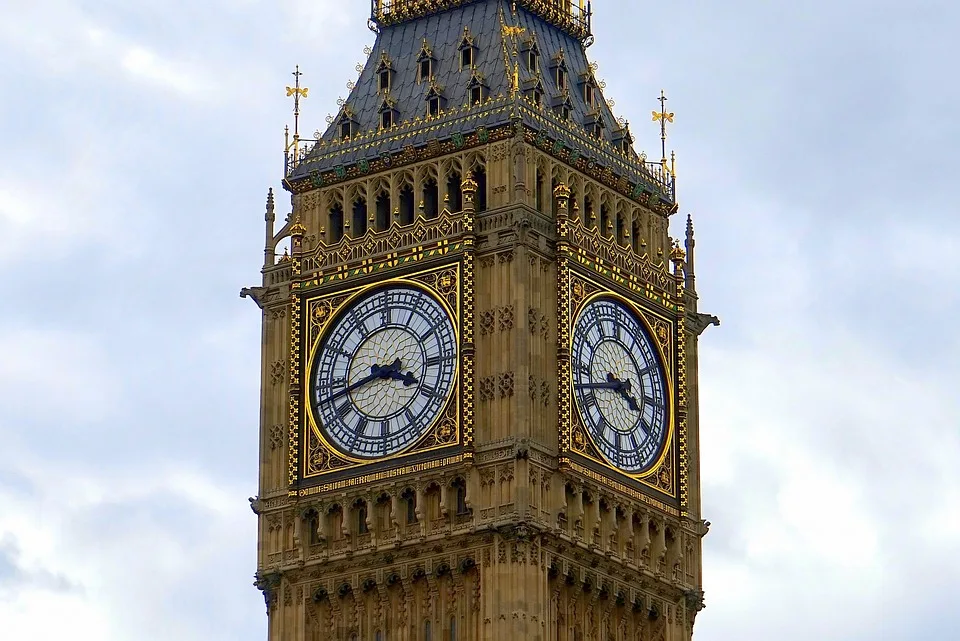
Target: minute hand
{"type": "Point", "coordinates": [375, 372]}
{"type": "Point", "coordinates": [614, 386]}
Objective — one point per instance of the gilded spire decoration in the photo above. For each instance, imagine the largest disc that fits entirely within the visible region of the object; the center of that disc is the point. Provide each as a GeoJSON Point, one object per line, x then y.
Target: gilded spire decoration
{"type": "Point", "coordinates": [663, 117]}
{"type": "Point", "coordinates": [297, 92]}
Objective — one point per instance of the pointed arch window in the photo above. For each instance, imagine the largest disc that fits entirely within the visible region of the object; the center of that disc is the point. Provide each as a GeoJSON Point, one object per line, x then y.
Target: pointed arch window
{"type": "Point", "coordinates": [346, 125]}
{"type": "Point", "coordinates": [436, 102]}
{"type": "Point", "coordinates": [468, 50]}
{"type": "Point", "coordinates": [558, 70]}
{"type": "Point", "coordinates": [477, 89]}
{"type": "Point", "coordinates": [426, 63]}
{"type": "Point", "coordinates": [531, 55]}
{"type": "Point", "coordinates": [389, 115]}
{"type": "Point", "coordinates": [385, 73]}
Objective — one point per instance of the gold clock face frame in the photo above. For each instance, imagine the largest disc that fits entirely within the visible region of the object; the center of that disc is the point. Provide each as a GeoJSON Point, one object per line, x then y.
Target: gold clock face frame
{"type": "Point", "coordinates": [666, 474]}
{"type": "Point", "coordinates": [383, 371]}
{"type": "Point", "coordinates": [620, 384]}
{"type": "Point", "coordinates": [320, 456]}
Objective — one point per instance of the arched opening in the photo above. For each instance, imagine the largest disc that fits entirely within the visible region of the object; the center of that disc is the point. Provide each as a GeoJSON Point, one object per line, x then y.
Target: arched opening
{"type": "Point", "coordinates": [455, 192]}
{"type": "Point", "coordinates": [359, 221]}
{"type": "Point", "coordinates": [480, 176]}
{"type": "Point", "coordinates": [311, 521]}
{"type": "Point", "coordinates": [635, 236]}
{"type": "Point", "coordinates": [409, 498]}
{"type": "Point", "coordinates": [336, 223]}
{"type": "Point", "coordinates": [620, 229]}
{"type": "Point", "coordinates": [383, 211]}
{"type": "Point", "coordinates": [407, 205]}
{"type": "Point", "coordinates": [539, 195]}
{"type": "Point", "coordinates": [431, 198]}
{"type": "Point", "coordinates": [605, 224]}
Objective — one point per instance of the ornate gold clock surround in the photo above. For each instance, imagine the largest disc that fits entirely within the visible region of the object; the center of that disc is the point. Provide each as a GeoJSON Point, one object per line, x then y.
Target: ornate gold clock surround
{"type": "Point", "coordinates": [588, 267]}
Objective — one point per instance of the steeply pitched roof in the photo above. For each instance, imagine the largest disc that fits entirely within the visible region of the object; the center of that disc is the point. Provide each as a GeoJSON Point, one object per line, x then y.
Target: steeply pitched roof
{"type": "Point", "coordinates": [502, 35]}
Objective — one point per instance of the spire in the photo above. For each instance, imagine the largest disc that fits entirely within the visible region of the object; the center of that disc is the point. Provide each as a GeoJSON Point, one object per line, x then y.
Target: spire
{"type": "Point", "coordinates": [269, 218]}
{"type": "Point", "coordinates": [690, 243]}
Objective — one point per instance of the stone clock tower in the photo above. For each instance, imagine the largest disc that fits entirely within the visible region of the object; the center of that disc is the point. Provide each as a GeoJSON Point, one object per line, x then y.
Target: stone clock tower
{"type": "Point", "coordinates": [479, 381]}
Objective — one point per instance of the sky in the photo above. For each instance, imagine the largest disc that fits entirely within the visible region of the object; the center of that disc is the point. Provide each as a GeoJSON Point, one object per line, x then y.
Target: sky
{"type": "Point", "coordinates": [817, 146]}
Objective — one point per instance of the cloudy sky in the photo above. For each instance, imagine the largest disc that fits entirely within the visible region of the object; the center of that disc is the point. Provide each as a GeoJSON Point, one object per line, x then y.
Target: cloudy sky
{"type": "Point", "coordinates": [817, 149]}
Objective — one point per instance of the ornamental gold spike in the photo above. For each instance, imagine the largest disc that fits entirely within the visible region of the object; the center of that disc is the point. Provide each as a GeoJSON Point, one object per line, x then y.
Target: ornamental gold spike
{"type": "Point", "coordinates": [663, 117]}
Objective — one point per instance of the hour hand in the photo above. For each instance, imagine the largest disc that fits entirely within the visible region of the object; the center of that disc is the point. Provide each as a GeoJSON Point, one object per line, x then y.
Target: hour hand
{"type": "Point", "coordinates": [408, 379]}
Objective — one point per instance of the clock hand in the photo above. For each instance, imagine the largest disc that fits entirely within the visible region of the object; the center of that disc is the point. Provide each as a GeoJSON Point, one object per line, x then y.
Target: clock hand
{"type": "Point", "coordinates": [408, 378]}
{"type": "Point", "coordinates": [611, 386]}
{"type": "Point", "coordinates": [376, 371]}
{"type": "Point", "coordinates": [624, 391]}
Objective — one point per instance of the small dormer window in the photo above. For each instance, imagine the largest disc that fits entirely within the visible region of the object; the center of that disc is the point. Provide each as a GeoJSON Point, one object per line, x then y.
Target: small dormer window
{"type": "Point", "coordinates": [386, 119]}
{"type": "Point", "coordinates": [537, 96]}
{"type": "Point", "coordinates": [433, 106]}
{"type": "Point", "coordinates": [346, 129]}
{"type": "Point", "coordinates": [384, 81]}
{"type": "Point", "coordinates": [589, 94]}
{"type": "Point", "coordinates": [561, 78]}
{"type": "Point", "coordinates": [598, 129]}
{"type": "Point", "coordinates": [476, 95]}
{"type": "Point", "coordinates": [425, 69]}
{"type": "Point", "coordinates": [467, 50]}
{"type": "Point", "coordinates": [533, 60]}
{"type": "Point", "coordinates": [564, 111]}
{"type": "Point", "coordinates": [384, 74]}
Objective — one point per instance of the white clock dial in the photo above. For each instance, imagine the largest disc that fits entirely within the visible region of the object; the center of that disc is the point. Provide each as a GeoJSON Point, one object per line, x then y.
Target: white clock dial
{"type": "Point", "coordinates": [384, 372]}
{"type": "Point", "coordinates": [619, 385]}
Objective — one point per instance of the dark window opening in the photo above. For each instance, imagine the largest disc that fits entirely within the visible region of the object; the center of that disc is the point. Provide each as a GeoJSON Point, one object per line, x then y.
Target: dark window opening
{"type": "Point", "coordinates": [453, 629]}
{"type": "Point", "coordinates": [466, 57]}
{"type": "Point", "coordinates": [383, 211]}
{"type": "Point", "coordinates": [385, 81]}
{"type": "Point", "coordinates": [313, 523]}
{"type": "Point", "coordinates": [591, 218]}
{"type": "Point", "coordinates": [588, 94]}
{"type": "Point", "coordinates": [565, 112]}
{"type": "Point", "coordinates": [433, 106]}
{"type": "Point", "coordinates": [345, 129]}
{"type": "Point", "coordinates": [336, 223]}
{"type": "Point", "coordinates": [620, 229]}
{"type": "Point", "coordinates": [604, 219]}
{"type": "Point", "coordinates": [635, 233]}
{"type": "Point", "coordinates": [411, 498]}
{"type": "Point", "coordinates": [426, 631]}
{"type": "Point", "coordinates": [431, 199]}
{"type": "Point", "coordinates": [598, 130]}
{"type": "Point", "coordinates": [480, 176]}
{"type": "Point", "coordinates": [561, 78]}
{"type": "Point", "coordinates": [462, 499]}
{"type": "Point", "coordinates": [476, 95]}
{"type": "Point", "coordinates": [532, 60]}
{"type": "Point", "coordinates": [359, 218]}
{"type": "Point", "coordinates": [362, 519]}
{"type": "Point", "coordinates": [426, 69]}
{"type": "Point", "coordinates": [537, 97]}
{"type": "Point", "coordinates": [386, 119]}
{"type": "Point", "coordinates": [539, 194]}
{"type": "Point", "coordinates": [406, 205]}
{"type": "Point", "coordinates": [455, 193]}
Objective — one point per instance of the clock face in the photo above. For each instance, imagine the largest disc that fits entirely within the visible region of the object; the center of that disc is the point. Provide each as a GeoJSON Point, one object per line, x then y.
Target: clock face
{"type": "Point", "coordinates": [384, 372]}
{"type": "Point", "coordinates": [619, 385]}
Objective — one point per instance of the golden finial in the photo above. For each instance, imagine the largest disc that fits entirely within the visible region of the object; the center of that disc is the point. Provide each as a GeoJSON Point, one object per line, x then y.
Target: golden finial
{"type": "Point", "coordinates": [663, 116]}
{"type": "Point", "coordinates": [297, 229]}
{"type": "Point", "coordinates": [297, 92]}
{"type": "Point", "coordinates": [516, 77]}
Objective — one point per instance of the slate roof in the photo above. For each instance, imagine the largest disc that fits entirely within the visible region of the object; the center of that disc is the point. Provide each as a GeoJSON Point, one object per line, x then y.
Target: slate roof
{"type": "Point", "coordinates": [499, 50]}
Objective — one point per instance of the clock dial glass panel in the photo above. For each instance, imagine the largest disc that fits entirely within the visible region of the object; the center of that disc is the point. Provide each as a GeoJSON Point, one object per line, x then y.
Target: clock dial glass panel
{"type": "Point", "coordinates": [619, 385]}
{"type": "Point", "coordinates": [384, 372]}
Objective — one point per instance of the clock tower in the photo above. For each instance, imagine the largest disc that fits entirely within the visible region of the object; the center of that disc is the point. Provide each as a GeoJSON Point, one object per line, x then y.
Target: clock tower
{"type": "Point", "coordinates": [479, 373]}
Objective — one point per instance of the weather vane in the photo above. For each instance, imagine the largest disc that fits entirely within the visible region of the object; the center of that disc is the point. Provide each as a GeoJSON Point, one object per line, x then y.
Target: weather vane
{"type": "Point", "coordinates": [297, 92]}
{"type": "Point", "coordinates": [663, 116]}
